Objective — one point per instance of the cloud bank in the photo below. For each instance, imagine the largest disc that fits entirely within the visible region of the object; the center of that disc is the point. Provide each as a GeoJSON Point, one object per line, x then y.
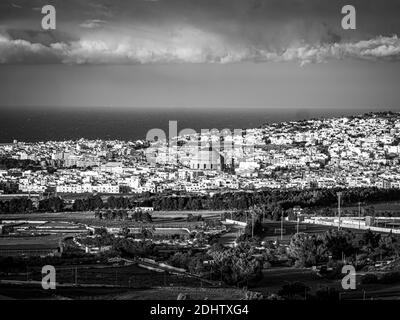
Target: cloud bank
{"type": "Point", "coordinates": [192, 31]}
{"type": "Point", "coordinates": [189, 45]}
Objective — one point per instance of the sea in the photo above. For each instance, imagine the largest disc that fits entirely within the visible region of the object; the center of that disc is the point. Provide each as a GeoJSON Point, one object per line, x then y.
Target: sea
{"type": "Point", "coordinates": [33, 124]}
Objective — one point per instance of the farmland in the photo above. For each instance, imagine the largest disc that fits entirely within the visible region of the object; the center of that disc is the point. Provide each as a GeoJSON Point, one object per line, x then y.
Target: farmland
{"type": "Point", "coordinates": [166, 218]}
{"type": "Point", "coordinates": [108, 293]}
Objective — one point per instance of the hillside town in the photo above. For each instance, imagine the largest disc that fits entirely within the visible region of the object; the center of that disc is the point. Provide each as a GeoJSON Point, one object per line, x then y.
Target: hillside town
{"type": "Point", "coordinates": [346, 152]}
{"type": "Point", "coordinates": [239, 212]}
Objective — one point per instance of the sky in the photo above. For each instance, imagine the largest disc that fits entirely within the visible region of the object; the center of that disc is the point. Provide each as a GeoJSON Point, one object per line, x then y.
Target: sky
{"type": "Point", "coordinates": [200, 54]}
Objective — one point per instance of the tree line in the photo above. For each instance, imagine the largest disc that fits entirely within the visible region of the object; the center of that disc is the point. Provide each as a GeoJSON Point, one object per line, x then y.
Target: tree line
{"type": "Point", "coordinates": [11, 163]}
{"type": "Point", "coordinates": [307, 250]}
{"type": "Point", "coordinates": [285, 199]}
{"type": "Point", "coordinates": [16, 205]}
{"type": "Point", "coordinates": [273, 202]}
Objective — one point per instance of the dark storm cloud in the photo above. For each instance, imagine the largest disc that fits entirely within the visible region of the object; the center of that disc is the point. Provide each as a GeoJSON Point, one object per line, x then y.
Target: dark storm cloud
{"type": "Point", "coordinates": [197, 31]}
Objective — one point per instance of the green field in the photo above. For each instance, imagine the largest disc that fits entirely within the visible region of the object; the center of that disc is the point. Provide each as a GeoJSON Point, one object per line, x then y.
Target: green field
{"type": "Point", "coordinates": [166, 218]}
{"type": "Point", "coordinates": [272, 230]}
{"type": "Point", "coordinates": [103, 293]}
{"type": "Point", "coordinates": [132, 276]}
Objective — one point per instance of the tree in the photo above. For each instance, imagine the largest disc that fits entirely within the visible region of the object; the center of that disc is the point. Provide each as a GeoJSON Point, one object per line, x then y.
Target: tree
{"type": "Point", "coordinates": [277, 213]}
{"type": "Point", "coordinates": [16, 205]}
{"type": "Point", "coordinates": [147, 233]}
{"type": "Point", "coordinates": [79, 205]}
{"type": "Point", "coordinates": [339, 243]}
{"type": "Point", "coordinates": [54, 204]}
{"type": "Point", "coordinates": [388, 246]}
{"type": "Point", "coordinates": [94, 202]}
{"type": "Point", "coordinates": [307, 250]}
{"type": "Point", "coordinates": [371, 240]}
{"type": "Point", "coordinates": [237, 265]}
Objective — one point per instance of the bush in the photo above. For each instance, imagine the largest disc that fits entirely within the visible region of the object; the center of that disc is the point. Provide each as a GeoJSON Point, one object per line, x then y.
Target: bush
{"type": "Point", "coordinates": [251, 295]}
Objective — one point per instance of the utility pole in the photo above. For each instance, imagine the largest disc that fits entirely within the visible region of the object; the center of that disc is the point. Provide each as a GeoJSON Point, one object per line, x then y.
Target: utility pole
{"type": "Point", "coordinates": [297, 227]}
{"type": "Point", "coordinates": [339, 194]}
{"type": "Point", "coordinates": [359, 215]}
{"type": "Point", "coordinates": [252, 225]}
{"type": "Point", "coordinates": [281, 226]}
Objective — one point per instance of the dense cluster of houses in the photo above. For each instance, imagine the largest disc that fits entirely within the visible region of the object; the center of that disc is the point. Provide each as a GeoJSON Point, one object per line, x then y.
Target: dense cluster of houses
{"type": "Point", "coordinates": [360, 151]}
